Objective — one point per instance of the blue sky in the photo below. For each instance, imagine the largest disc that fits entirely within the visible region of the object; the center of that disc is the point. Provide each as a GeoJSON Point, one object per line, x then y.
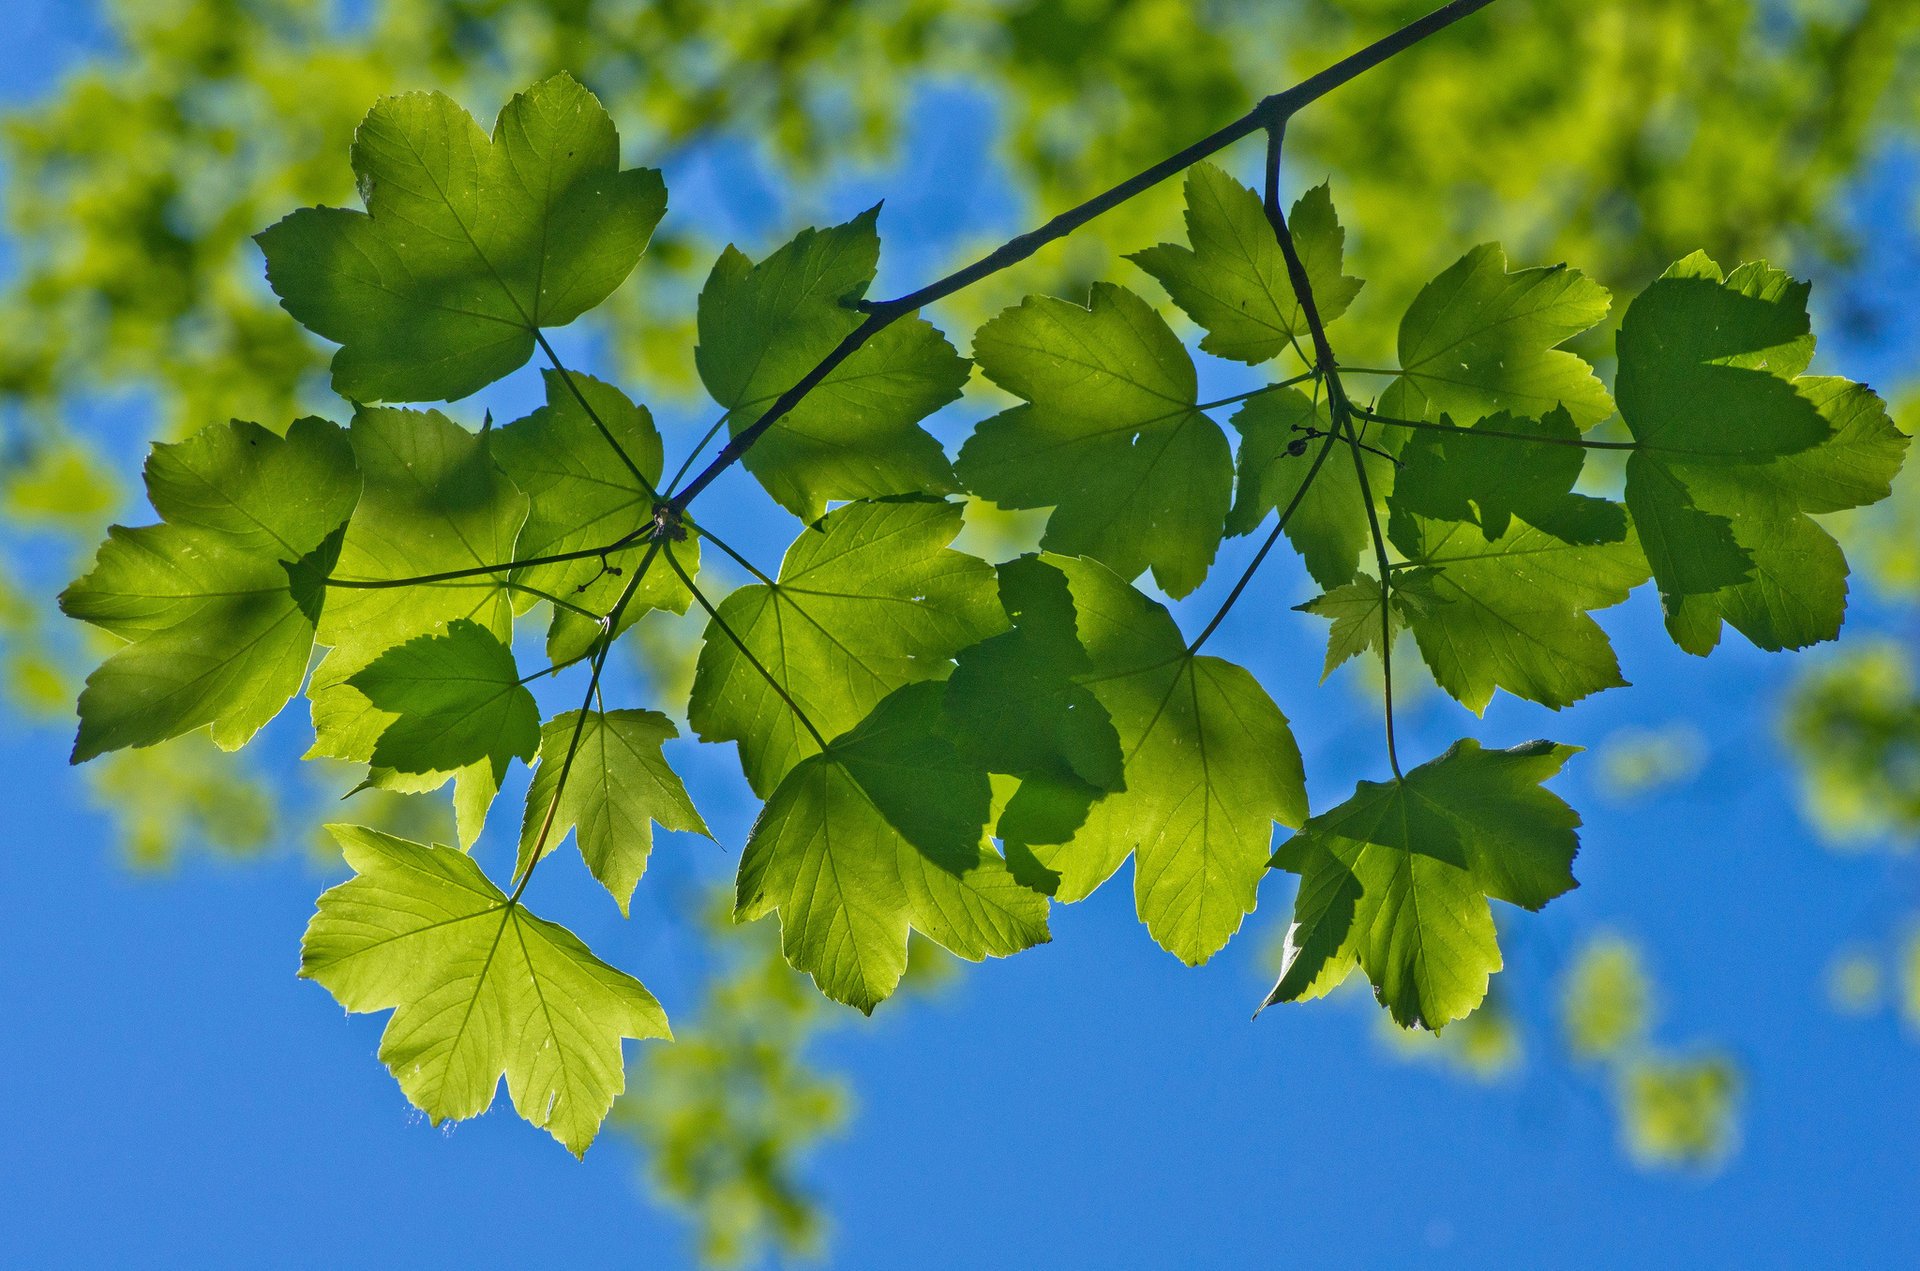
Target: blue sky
{"type": "Point", "coordinates": [180, 1099]}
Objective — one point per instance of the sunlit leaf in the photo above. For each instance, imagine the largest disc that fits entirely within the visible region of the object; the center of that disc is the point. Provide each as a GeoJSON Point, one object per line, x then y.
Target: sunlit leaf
{"type": "Point", "coordinates": [469, 244]}
{"type": "Point", "coordinates": [479, 988]}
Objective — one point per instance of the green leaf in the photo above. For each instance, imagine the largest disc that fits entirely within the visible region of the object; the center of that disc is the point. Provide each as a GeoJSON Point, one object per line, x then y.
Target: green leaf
{"type": "Point", "coordinates": [1477, 474]}
{"type": "Point", "coordinates": [1110, 440]}
{"type": "Point", "coordinates": [1398, 877]}
{"type": "Point", "coordinates": [868, 599]}
{"type": "Point", "coordinates": [1234, 281]}
{"type": "Point", "coordinates": [468, 245]}
{"type": "Point", "coordinates": [882, 832]}
{"type": "Point", "coordinates": [1354, 610]}
{"type": "Point", "coordinates": [1017, 708]}
{"type": "Point", "coordinates": [1511, 612]}
{"type": "Point", "coordinates": [433, 502]}
{"type": "Point", "coordinates": [855, 435]}
{"type": "Point", "coordinates": [1736, 446]}
{"type": "Point", "coordinates": [456, 699]}
{"type": "Point", "coordinates": [1478, 340]}
{"type": "Point", "coordinates": [479, 987]}
{"type": "Point", "coordinates": [618, 787]}
{"type": "Point", "coordinates": [1329, 528]}
{"type": "Point", "coordinates": [1210, 766]}
{"type": "Point", "coordinates": [219, 601]}
{"type": "Point", "coordinates": [571, 458]}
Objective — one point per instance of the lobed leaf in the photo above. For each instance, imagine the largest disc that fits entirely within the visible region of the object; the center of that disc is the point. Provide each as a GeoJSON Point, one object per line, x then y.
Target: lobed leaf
{"type": "Point", "coordinates": [433, 502]}
{"type": "Point", "coordinates": [1736, 447]}
{"type": "Point", "coordinates": [869, 599]}
{"type": "Point", "coordinates": [883, 832]}
{"type": "Point", "coordinates": [1479, 340]}
{"type": "Point", "coordinates": [1233, 281]}
{"type": "Point", "coordinates": [479, 988]}
{"type": "Point", "coordinates": [218, 602]}
{"type": "Point", "coordinates": [1110, 438]}
{"type": "Point", "coordinates": [1210, 765]}
{"type": "Point", "coordinates": [589, 463]}
{"type": "Point", "coordinates": [618, 787]}
{"type": "Point", "coordinates": [1397, 878]}
{"type": "Point", "coordinates": [763, 327]}
{"type": "Point", "coordinates": [469, 245]}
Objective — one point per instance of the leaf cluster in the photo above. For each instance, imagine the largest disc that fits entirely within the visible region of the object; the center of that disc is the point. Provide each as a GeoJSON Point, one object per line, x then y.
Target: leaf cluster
{"type": "Point", "coordinates": [944, 744]}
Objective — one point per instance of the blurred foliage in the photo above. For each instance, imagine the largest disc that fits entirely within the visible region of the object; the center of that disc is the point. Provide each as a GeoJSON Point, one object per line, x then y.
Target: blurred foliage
{"type": "Point", "coordinates": [1680, 1112]}
{"type": "Point", "coordinates": [1675, 1110]}
{"type": "Point", "coordinates": [1636, 762]}
{"type": "Point", "coordinates": [132, 190]}
{"type": "Point", "coordinates": [1607, 1000]}
{"type": "Point", "coordinates": [185, 794]}
{"type": "Point", "coordinates": [727, 1114]}
{"type": "Point", "coordinates": [1854, 722]}
{"type": "Point", "coordinates": [1486, 1046]}
{"type": "Point", "coordinates": [724, 1111]}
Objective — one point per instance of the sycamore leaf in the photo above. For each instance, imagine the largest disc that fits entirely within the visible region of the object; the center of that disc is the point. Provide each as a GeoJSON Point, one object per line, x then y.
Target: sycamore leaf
{"type": "Point", "coordinates": [868, 599]}
{"type": "Point", "coordinates": [1017, 708]}
{"type": "Point", "coordinates": [1511, 612]}
{"type": "Point", "coordinates": [479, 987]}
{"type": "Point", "coordinates": [1478, 340]}
{"type": "Point", "coordinates": [1398, 877]}
{"type": "Point", "coordinates": [882, 832]}
{"type": "Point", "coordinates": [1210, 765]}
{"type": "Point", "coordinates": [468, 245]}
{"type": "Point", "coordinates": [1736, 446]}
{"type": "Point", "coordinates": [433, 502]}
{"type": "Point", "coordinates": [1501, 467]}
{"type": "Point", "coordinates": [617, 788]}
{"type": "Point", "coordinates": [1354, 610]}
{"type": "Point", "coordinates": [456, 699]}
{"type": "Point", "coordinates": [1110, 439]}
{"type": "Point", "coordinates": [219, 601]}
{"type": "Point", "coordinates": [856, 435]}
{"type": "Point", "coordinates": [1234, 281]}
{"type": "Point", "coordinates": [1329, 528]}
{"type": "Point", "coordinates": [582, 494]}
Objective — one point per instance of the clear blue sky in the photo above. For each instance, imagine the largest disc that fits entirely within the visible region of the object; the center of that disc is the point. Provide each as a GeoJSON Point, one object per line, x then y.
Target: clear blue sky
{"type": "Point", "coordinates": [177, 1098]}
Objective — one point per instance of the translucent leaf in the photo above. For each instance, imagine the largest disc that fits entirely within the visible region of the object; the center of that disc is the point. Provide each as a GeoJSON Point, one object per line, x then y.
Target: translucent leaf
{"type": "Point", "coordinates": [219, 601]}
{"type": "Point", "coordinates": [869, 599]}
{"type": "Point", "coordinates": [1233, 281]}
{"type": "Point", "coordinates": [1210, 766]}
{"type": "Point", "coordinates": [479, 987]}
{"type": "Point", "coordinates": [1137, 478]}
{"type": "Point", "coordinates": [456, 699]}
{"type": "Point", "coordinates": [1329, 527]}
{"type": "Point", "coordinates": [617, 788]}
{"type": "Point", "coordinates": [571, 458]}
{"type": "Point", "coordinates": [855, 435]}
{"type": "Point", "coordinates": [882, 832]}
{"type": "Point", "coordinates": [1398, 877]}
{"type": "Point", "coordinates": [469, 245]}
{"type": "Point", "coordinates": [1017, 707]}
{"type": "Point", "coordinates": [1736, 446]}
{"type": "Point", "coordinates": [1478, 340]}
{"type": "Point", "coordinates": [433, 503]}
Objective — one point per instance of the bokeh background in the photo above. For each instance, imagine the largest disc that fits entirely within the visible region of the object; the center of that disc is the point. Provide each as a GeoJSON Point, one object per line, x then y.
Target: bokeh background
{"type": "Point", "coordinates": [1709, 1055]}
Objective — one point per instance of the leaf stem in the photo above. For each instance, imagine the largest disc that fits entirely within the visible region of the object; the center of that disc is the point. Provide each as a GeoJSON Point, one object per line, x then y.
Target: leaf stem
{"type": "Point", "coordinates": [1253, 566]}
{"type": "Point", "coordinates": [736, 557]}
{"type": "Point", "coordinates": [580, 721]}
{"type": "Point", "coordinates": [746, 653]}
{"type": "Point", "coordinates": [1262, 391]}
{"type": "Point", "coordinates": [1340, 414]}
{"type": "Point", "coordinates": [1477, 431]}
{"type": "Point", "coordinates": [567, 377]}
